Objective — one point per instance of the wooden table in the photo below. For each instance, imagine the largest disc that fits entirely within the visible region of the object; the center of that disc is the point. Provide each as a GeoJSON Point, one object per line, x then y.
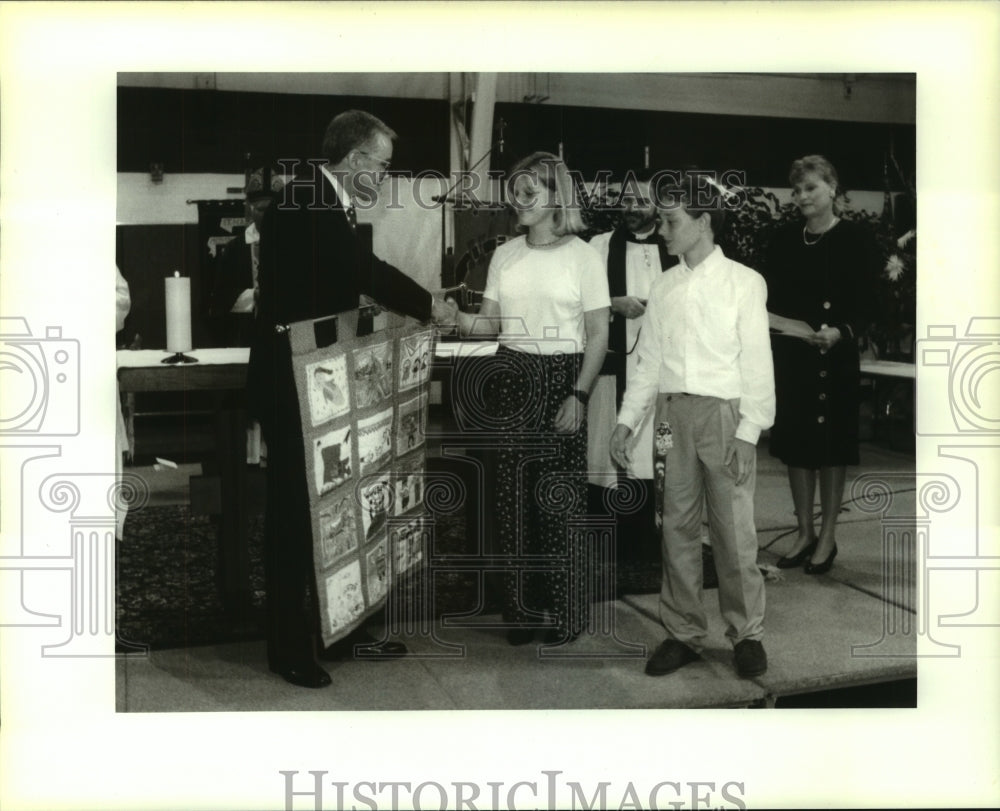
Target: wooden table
{"type": "Point", "coordinates": [892, 374]}
{"type": "Point", "coordinates": [216, 370]}
{"type": "Point", "coordinates": [223, 371]}
{"type": "Point", "coordinates": [888, 368]}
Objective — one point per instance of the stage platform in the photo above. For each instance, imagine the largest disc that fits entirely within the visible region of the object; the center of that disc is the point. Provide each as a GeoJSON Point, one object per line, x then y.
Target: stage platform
{"type": "Point", "coordinates": [815, 626]}
{"type": "Point", "coordinates": [847, 628]}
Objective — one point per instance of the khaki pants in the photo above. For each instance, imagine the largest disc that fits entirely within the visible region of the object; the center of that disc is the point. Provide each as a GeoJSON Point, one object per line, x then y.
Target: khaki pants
{"type": "Point", "coordinates": [700, 430]}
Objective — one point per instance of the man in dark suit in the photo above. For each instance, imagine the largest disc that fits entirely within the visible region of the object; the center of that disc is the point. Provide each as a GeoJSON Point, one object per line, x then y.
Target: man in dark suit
{"type": "Point", "coordinates": [315, 261]}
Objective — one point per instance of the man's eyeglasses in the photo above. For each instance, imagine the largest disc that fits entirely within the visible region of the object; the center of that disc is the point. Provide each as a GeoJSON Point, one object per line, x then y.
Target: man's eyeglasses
{"type": "Point", "coordinates": [381, 161]}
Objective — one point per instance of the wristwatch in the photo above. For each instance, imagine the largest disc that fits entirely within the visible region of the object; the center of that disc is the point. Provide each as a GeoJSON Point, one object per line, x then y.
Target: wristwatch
{"type": "Point", "coordinates": [581, 395]}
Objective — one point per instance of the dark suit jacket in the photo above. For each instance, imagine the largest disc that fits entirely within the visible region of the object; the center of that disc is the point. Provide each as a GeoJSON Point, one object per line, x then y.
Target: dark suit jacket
{"type": "Point", "coordinates": [313, 265]}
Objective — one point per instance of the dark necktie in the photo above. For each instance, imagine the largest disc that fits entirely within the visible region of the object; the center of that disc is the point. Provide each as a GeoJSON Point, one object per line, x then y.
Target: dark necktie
{"type": "Point", "coordinates": [352, 217]}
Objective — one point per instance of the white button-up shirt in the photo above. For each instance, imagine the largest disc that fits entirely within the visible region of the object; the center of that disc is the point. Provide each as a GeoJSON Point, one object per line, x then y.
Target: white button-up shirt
{"type": "Point", "coordinates": [706, 332]}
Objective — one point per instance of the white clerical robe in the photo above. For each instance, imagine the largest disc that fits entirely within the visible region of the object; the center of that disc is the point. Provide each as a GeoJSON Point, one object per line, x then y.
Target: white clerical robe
{"type": "Point", "coordinates": [642, 267]}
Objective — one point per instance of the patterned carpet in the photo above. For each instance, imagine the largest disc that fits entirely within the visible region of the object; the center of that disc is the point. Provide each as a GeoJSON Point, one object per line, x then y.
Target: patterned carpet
{"type": "Point", "coordinates": [168, 596]}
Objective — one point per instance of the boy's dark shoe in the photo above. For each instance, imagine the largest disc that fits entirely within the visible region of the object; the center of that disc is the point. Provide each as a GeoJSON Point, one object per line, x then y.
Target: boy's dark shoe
{"type": "Point", "coordinates": [670, 656]}
{"type": "Point", "coordinates": [750, 658]}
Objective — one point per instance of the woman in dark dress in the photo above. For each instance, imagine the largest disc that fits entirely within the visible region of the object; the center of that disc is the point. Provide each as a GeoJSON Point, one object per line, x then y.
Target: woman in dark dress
{"type": "Point", "coordinates": [820, 278]}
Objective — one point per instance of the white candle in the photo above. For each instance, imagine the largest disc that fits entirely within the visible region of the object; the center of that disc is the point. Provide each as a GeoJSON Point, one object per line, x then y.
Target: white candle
{"type": "Point", "coordinates": [178, 296]}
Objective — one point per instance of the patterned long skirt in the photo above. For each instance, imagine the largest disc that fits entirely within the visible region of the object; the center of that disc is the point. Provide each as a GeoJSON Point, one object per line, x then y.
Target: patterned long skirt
{"type": "Point", "coordinates": [541, 492]}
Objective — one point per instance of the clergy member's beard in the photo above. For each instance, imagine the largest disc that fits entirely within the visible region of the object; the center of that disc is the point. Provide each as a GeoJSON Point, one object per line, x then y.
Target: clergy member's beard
{"type": "Point", "coordinates": [639, 223]}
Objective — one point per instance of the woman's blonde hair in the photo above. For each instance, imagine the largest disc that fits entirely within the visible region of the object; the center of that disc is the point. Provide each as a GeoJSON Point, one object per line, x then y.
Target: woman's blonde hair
{"type": "Point", "coordinates": [822, 167]}
{"type": "Point", "coordinates": [554, 174]}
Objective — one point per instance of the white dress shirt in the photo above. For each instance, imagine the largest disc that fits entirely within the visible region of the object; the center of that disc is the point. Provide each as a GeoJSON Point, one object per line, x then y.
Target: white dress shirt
{"type": "Point", "coordinates": [342, 195]}
{"type": "Point", "coordinates": [706, 332]}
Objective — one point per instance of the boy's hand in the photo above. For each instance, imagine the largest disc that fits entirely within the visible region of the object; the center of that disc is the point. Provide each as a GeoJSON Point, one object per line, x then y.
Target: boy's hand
{"type": "Point", "coordinates": [745, 454]}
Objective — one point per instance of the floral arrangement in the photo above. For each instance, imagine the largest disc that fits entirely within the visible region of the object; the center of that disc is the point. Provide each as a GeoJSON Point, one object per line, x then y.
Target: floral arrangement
{"type": "Point", "coordinates": [899, 299]}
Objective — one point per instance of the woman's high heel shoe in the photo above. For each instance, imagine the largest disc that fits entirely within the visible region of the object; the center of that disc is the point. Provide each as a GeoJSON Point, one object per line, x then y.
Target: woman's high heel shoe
{"type": "Point", "coordinates": [824, 567]}
{"type": "Point", "coordinates": [791, 561]}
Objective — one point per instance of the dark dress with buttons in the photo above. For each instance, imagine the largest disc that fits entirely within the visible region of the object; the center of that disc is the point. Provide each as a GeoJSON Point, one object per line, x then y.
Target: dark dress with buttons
{"type": "Point", "coordinates": [830, 282]}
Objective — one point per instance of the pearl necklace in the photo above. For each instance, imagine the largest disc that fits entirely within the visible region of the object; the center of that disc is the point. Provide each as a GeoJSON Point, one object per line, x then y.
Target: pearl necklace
{"type": "Point", "coordinates": [531, 244]}
{"type": "Point", "coordinates": [818, 236]}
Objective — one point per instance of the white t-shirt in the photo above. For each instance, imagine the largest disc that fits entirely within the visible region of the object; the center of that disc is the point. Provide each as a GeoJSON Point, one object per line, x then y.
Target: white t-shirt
{"type": "Point", "coordinates": [544, 292]}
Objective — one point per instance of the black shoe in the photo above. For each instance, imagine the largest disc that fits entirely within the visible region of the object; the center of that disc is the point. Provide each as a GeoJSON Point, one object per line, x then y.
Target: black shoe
{"type": "Point", "coordinates": [307, 674]}
{"type": "Point", "coordinates": [791, 561]}
{"type": "Point", "coordinates": [751, 660]}
{"type": "Point", "coordinates": [670, 656]}
{"type": "Point", "coordinates": [824, 567]}
{"type": "Point", "coordinates": [362, 645]}
{"type": "Point", "coordinates": [520, 636]}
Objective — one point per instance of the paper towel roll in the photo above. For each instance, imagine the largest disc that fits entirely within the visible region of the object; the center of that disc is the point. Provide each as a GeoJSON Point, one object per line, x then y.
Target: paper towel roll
{"type": "Point", "coordinates": [178, 296]}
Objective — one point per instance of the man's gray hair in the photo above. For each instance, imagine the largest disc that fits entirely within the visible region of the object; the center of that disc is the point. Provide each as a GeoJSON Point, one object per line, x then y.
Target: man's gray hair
{"type": "Point", "coordinates": [349, 130]}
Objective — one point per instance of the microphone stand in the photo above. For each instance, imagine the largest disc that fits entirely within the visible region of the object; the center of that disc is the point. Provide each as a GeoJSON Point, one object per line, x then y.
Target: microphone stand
{"type": "Point", "coordinates": [445, 198]}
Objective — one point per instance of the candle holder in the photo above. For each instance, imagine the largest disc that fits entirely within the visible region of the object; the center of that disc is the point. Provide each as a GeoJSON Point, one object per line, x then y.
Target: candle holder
{"type": "Point", "coordinates": [177, 293]}
{"type": "Point", "coordinates": [179, 357]}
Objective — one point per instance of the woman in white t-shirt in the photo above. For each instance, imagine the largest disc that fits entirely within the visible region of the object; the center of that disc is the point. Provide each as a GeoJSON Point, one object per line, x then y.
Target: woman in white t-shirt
{"type": "Point", "coordinates": [546, 299]}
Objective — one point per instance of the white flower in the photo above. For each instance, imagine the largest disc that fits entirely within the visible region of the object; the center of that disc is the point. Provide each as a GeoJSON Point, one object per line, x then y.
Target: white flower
{"type": "Point", "coordinates": [894, 268]}
{"type": "Point", "coordinates": [904, 240]}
